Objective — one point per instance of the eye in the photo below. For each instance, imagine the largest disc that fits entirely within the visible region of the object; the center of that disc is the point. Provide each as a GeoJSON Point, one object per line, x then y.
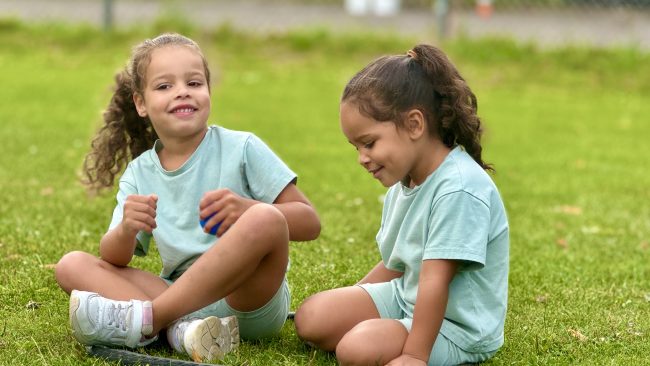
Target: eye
{"type": "Point", "coordinates": [195, 83]}
{"type": "Point", "coordinates": [369, 145]}
{"type": "Point", "coordinates": [163, 86]}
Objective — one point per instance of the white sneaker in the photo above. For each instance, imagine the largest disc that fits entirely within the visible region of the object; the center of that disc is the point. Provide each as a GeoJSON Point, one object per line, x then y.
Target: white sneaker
{"type": "Point", "coordinates": [96, 320]}
{"type": "Point", "coordinates": [209, 339]}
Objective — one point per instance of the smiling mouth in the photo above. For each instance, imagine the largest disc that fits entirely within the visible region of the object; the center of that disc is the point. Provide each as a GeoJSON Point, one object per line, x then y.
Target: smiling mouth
{"type": "Point", "coordinates": [375, 171]}
{"type": "Point", "coordinates": [184, 110]}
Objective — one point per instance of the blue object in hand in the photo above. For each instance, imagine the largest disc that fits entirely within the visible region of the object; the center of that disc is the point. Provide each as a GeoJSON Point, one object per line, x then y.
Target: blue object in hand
{"type": "Point", "coordinates": [214, 229]}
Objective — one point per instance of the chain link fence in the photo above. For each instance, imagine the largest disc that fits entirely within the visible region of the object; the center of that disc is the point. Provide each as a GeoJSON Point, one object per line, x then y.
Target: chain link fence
{"type": "Point", "coordinates": [601, 23]}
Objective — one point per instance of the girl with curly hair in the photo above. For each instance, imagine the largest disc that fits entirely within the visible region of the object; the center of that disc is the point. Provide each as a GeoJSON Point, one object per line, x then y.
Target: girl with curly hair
{"type": "Point", "coordinates": [438, 296]}
{"type": "Point", "coordinates": [219, 204]}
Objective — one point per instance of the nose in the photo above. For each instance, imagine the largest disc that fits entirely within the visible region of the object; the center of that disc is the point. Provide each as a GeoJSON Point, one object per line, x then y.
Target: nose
{"type": "Point", "coordinates": [363, 158]}
{"type": "Point", "coordinates": [182, 92]}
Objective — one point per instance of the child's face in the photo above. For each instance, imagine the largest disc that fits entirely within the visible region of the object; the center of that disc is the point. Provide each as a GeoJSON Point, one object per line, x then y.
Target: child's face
{"type": "Point", "coordinates": [385, 151]}
{"type": "Point", "coordinates": [176, 97]}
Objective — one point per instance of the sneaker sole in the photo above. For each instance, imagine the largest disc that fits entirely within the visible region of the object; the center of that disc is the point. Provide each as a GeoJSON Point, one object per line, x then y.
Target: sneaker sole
{"type": "Point", "coordinates": [213, 338]}
{"type": "Point", "coordinates": [231, 327]}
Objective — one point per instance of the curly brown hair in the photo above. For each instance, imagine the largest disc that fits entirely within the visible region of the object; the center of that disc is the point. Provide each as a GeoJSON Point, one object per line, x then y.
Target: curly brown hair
{"type": "Point", "coordinates": [125, 135]}
{"type": "Point", "coordinates": [424, 79]}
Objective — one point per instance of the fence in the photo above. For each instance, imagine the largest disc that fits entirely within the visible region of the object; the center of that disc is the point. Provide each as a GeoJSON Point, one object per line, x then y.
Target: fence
{"type": "Point", "coordinates": [547, 22]}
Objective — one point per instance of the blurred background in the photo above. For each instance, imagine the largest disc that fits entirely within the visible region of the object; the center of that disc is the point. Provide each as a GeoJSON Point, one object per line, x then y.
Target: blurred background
{"type": "Point", "coordinates": [563, 90]}
{"type": "Point", "coordinates": [599, 23]}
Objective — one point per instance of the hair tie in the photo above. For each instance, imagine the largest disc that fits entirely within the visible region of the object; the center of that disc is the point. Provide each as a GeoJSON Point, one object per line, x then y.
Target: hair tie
{"type": "Point", "coordinates": [412, 54]}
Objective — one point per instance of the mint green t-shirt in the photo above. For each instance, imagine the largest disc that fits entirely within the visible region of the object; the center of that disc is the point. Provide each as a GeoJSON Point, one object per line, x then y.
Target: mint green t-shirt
{"type": "Point", "coordinates": [456, 214]}
{"type": "Point", "coordinates": [239, 161]}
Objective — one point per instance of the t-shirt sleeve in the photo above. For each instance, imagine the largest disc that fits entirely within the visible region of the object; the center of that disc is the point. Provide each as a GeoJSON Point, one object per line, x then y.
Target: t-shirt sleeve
{"type": "Point", "coordinates": [458, 229]}
{"type": "Point", "coordinates": [266, 174]}
{"type": "Point", "coordinates": [127, 187]}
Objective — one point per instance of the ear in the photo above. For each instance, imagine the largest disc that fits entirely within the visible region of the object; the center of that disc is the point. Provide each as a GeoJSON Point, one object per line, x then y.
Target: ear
{"type": "Point", "coordinates": [415, 124]}
{"type": "Point", "coordinates": [138, 100]}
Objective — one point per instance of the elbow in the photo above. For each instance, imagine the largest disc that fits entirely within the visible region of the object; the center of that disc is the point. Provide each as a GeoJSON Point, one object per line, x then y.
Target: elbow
{"type": "Point", "coordinates": [114, 260]}
{"type": "Point", "coordinates": [118, 258]}
{"type": "Point", "coordinates": [315, 233]}
{"type": "Point", "coordinates": [309, 229]}
{"type": "Point", "coordinates": [315, 225]}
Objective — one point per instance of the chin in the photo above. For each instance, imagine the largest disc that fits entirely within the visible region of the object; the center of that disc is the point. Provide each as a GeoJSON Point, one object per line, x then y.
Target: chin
{"type": "Point", "coordinates": [387, 183]}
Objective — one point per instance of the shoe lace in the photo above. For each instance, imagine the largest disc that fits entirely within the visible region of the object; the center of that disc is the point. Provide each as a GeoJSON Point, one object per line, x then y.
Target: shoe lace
{"type": "Point", "coordinates": [117, 316]}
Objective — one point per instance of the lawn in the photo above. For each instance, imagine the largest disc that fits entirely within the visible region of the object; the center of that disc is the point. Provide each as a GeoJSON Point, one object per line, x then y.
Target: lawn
{"type": "Point", "coordinates": [566, 129]}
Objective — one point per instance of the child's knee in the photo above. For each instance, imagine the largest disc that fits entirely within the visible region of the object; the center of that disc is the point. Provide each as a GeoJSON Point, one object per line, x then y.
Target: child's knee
{"type": "Point", "coordinates": [371, 342]}
{"type": "Point", "coordinates": [306, 321]}
{"type": "Point", "coordinates": [70, 265]}
{"type": "Point", "coordinates": [352, 350]}
{"type": "Point", "coordinates": [267, 220]}
{"type": "Point", "coordinates": [69, 261]}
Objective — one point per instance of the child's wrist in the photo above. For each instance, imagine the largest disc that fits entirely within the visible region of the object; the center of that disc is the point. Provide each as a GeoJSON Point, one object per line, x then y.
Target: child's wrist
{"type": "Point", "coordinates": [125, 234]}
{"type": "Point", "coordinates": [416, 357]}
{"type": "Point", "coordinates": [416, 349]}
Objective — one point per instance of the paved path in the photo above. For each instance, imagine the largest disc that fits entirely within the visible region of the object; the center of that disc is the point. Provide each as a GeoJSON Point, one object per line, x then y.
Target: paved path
{"type": "Point", "coordinates": [601, 28]}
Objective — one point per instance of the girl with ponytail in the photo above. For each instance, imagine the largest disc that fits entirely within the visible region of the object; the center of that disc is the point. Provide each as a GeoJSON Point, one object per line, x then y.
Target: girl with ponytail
{"type": "Point", "coordinates": [439, 294]}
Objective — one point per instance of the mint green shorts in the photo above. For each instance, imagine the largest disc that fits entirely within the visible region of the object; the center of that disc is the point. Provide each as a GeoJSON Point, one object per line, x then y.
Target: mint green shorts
{"type": "Point", "coordinates": [259, 323]}
{"type": "Point", "coordinates": [444, 351]}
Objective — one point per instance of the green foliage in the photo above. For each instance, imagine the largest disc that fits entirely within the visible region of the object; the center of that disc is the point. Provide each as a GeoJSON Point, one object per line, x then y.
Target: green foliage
{"type": "Point", "coordinates": [565, 128]}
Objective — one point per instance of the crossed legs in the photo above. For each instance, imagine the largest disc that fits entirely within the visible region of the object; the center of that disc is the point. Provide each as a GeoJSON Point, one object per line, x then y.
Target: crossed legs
{"type": "Point", "coordinates": [246, 267]}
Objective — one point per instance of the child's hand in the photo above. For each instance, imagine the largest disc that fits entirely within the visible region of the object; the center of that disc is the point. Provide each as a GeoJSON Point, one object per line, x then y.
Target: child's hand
{"type": "Point", "coordinates": [139, 214]}
{"type": "Point", "coordinates": [406, 360]}
{"type": "Point", "coordinates": [226, 206]}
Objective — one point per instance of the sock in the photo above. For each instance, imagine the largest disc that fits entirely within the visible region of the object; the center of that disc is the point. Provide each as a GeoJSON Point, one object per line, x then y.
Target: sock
{"type": "Point", "coordinates": [147, 321]}
{"type": "Point", "coordinates": [147, 318]}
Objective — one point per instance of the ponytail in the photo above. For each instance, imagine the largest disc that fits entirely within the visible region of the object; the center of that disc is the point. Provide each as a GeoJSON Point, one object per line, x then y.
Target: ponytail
{"type": "Point", "coordinates": [455, 105]}
{"type": "Point", "coordinates": [124, 136]}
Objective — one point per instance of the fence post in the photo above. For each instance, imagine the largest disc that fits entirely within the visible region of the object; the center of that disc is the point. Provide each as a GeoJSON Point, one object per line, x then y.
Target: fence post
{"type": "Point", "coordinates": [441, 11]}
{"type": "Point", "coordinates": [108, 15]}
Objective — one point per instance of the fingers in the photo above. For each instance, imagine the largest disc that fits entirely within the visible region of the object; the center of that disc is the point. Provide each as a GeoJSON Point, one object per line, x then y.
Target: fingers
{"type": "Point", "coordinates": [215, 202]}
{"type": "Point", "coordinates": [210, 198]}
{"type": "Point", "coordinates": [222, 221]}
{"type": "Point", "coordinates": [219, 208]}
{"type": "Point", "coordinates": [140, 212]}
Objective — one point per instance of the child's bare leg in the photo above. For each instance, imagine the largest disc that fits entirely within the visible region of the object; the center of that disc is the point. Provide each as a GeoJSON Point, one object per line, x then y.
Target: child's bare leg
{"type": "Point", "coordinates": [83, 271]}
{"type": "Point", "coordinates": [372, 342]}
{"type": "Point", "coordinates": [247, 267]}
{"type": "Point", "coordinates": [320, 324]}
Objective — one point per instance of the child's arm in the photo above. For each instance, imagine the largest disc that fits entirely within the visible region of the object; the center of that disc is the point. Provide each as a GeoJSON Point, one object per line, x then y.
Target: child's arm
{"type": "Point", "coordinates": [227, 207]}
{"type": "Point", "coordinates": [380, 274]}
{"type": "Point", "coordinates": [430, 306]}
{"type": "Point", "coordinates": [118, 244]}
{"type": "Point", "coordinates": [302, 219]}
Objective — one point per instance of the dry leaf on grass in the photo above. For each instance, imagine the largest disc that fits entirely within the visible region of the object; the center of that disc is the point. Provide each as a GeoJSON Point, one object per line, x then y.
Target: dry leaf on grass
{"type": "Point", "coordinates": [577, 335]}
{"type": "Point", "coordinates": [570, 210]}
{"type": "Point", "coordinates": [542, 298]}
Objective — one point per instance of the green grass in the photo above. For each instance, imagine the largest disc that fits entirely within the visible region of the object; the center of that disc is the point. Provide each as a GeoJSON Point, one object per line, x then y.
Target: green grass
{"type": "Point", "coordinates": [567, 130]}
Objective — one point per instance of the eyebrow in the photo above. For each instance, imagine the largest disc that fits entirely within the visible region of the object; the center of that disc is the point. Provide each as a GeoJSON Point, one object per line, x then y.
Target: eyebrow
{"type": "Point", "coordinates": [188, 74]}
{"type": "Point", "coordinates": [360, 138]}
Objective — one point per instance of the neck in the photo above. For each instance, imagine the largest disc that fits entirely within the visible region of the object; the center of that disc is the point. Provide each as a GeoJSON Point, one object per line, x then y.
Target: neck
{"type": "Point", "coordinates": [176, 151]}
{"type": "Point", "coordinates": [432, 152]}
